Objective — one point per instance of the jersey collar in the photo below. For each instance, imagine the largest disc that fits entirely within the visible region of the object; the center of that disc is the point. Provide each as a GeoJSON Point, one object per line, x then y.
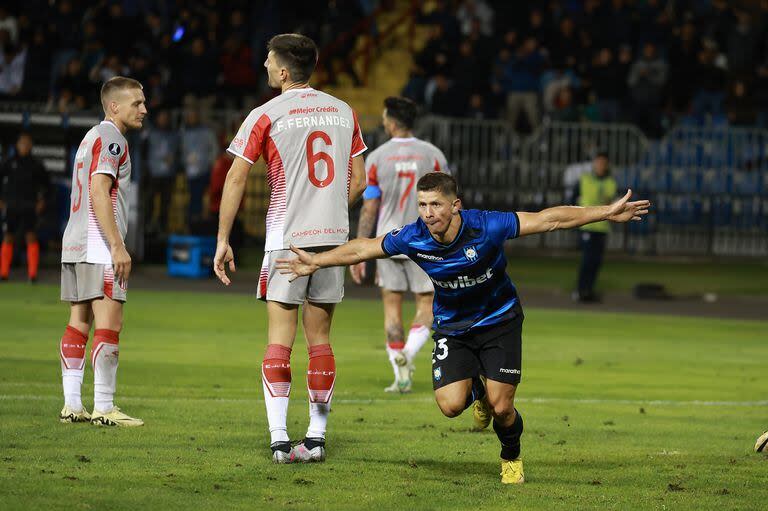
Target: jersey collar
{"type": "Point", "coordinates": [111, 124]}
{"type": "Point", "coordinates": [456, 239]}
{"type": "Point", "coordinates": [403, 139]}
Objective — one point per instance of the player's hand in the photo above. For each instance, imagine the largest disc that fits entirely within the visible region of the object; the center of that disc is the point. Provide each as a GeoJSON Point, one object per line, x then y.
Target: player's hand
{"type": "Point", "coordinates": [624, 211]}
{"type": "Point", "coordinates": [358, 272]}
{"type": "Point", "coordinates": [223, 256]}
{"type": "Point", "coordinates": [298, 266]}
{"type": "Point", "coordinates": [121, 264]}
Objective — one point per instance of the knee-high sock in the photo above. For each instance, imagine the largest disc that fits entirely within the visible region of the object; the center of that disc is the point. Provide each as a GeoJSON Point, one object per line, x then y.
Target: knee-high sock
{"type": "Point", "coordinates": [72, 352]}
{"type": "Point", "coordinates": [321, 376]}
{"type": "Point", "coordinates": [33, 259]}
{"type": "Point", "coordinates": [6, 256]}
{"type": "Point", "coordinates": [276, 380]}
{"type": "Point", "coordinates": [417, 336]}
{"type": "Point", "coordinates": [393, 348]}
{"type": "Point", "coordinates": [104, 358]}
{"type": "Point", "coordinates": [510, 437]}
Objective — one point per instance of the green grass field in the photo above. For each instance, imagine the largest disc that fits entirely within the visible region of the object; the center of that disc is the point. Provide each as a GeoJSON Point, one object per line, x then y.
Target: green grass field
{"type": "Point", "coordinates": [621, 412]}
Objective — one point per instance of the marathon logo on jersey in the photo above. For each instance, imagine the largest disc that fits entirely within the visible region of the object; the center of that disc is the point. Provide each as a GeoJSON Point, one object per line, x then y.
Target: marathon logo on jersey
{"type": "Point", "coordinates": [470, 253]}
{"type": "Point", "coordinates": [509, 371]}
{"type": "Point", "coordinates": [114, 149]}
{"type": "Point", "coordinates": [429, 257]}
{"type": "Point", "coordinates": [463, 281]}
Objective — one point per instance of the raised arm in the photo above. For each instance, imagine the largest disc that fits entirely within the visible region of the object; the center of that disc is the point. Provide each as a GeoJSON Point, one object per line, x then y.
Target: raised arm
{"type": "Point", "coordinates": [352, 252]}
{"type": "Point", "coordinates": [568, 217]}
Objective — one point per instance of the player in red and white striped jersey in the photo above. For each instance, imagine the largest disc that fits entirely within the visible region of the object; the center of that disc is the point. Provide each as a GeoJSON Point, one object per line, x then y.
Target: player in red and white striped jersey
{"type": "Point", "coordinates": [95, 265]}
{"type": "Point", "coordinates": [390, 202]}
{"type": "Point", "coordinates": [312, 145]}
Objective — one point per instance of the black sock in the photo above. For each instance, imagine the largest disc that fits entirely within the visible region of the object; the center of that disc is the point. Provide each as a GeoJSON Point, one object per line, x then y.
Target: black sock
{"type": "Point", "coordinates": [281, 446]}
{"type": "Point", "coordinates": [510, 437]}
{"type": "Point", "coordinates": [478, 392]}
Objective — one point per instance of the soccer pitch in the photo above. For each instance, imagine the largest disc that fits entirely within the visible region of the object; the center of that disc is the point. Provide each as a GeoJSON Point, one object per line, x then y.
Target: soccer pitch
{"type": "Point", "coordinates": [621, 411]}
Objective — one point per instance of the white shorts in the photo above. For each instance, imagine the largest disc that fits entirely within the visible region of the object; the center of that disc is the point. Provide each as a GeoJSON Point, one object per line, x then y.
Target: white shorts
{"type": "Point", "coordinates": [81, 282]}
{"type": "Point", "coordinates": [402, 275]}
{"type": "Point", "coordinates": [324, 286]}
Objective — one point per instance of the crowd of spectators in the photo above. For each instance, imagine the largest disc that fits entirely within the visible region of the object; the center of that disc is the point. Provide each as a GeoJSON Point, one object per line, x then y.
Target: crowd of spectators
{"type": "Point", "coordinates": [201, 52]}
{"type": "Point", "coordinates": [649, 62]}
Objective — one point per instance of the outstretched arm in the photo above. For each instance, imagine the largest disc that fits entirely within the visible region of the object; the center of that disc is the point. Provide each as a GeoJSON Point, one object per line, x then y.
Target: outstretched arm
{"type": "Point", "coordinates": [568, 217]}
{"type": "Point", "coordinates": [352, 252]}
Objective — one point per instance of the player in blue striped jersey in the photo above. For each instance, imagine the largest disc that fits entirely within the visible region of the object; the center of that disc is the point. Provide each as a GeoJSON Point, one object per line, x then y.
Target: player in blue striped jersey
{"type": "Point", "coordinates": [477, 313]}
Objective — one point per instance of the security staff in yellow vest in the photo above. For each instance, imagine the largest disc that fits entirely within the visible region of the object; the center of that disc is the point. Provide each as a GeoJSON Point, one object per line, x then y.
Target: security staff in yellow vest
{"type": "Point", "coordinates": [595, 188]}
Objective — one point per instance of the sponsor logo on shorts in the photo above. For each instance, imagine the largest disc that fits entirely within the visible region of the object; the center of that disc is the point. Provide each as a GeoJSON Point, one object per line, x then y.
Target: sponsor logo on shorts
{"type": "Point", "coordinates": [429, 257]}
{"type": "Point", "coordinates": [437, 373]}
{"type": "Point", "coordinates": [463, 281]}
{"type": "Point", "coordinates": [470, 253]}
{"type": "Point", "coordinates": [509, 371]}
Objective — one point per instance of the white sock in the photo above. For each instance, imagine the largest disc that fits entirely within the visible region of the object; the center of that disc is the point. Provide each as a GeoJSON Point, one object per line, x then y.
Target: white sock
{"type": "Point", "coordinates": [417, 336]}
{"type": "Point", "coordinates": [391, 352]}
{"type": "Point", "coordinates": [72, 380]}
{"type": "Point", "coordinates": [105, 360]}
{"type": "Point", "coordinates": [276, 382]}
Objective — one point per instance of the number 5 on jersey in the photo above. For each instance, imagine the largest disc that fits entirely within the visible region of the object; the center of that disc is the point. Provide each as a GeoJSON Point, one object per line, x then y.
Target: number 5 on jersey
{"type": "Point", "coordinates": [314, 157]}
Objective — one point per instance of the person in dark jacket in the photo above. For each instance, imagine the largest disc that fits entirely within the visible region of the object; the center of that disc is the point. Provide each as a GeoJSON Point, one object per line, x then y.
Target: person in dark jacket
{"type": "Point", "coordinates": [23, 185]}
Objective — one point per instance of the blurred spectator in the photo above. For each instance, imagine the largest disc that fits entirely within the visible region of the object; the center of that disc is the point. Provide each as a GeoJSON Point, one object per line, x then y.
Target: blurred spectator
{"type": "Point", "coordinates": [237, 71]}
{"type": "Point", "coordinates": [471, 10]}
{"type": "Point", "coordinates": [73, 87]}
{"type": "Point", "coordinates": [742, 44]}
{"type": "Point", "coordinates": [444, 99]}
{"type": "Point", "coordinates": [478, 108]}
{"type": "Point", "coordinates": [162, 156]}
{"type": "Point", "coordinates": [23, 188]}
{"type": "Point", "coordinates": [711, 78]}
{"type": "Point", "coordinates": [609, 82]}
{"type": "Point", "coordinates": [646, 80]}
{"type": "Point", "coordinates": [560, 76]}
{"type": "Point", "coordinates": [519, 75]}
{"type": "Point", "coordinates": [197, 79]}
{"type": "Point", "coordinates": [37, 72]}
{"type": "Point", "coordinates": [740, 106]}
{"type": "Point", "coordinates": [10, 27]}
{"type": "Point", "coordinates": [564, 108]}
{"type": "Point", "coordinates": [12, 63]}
{"type": "Point", "coordinates": [198, 150]}
{"type": "Point", "coordinates": [683, 65]}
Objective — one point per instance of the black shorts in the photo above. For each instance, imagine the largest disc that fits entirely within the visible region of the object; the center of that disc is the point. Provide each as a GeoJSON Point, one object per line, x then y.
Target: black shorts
{"type": "Point", "coordinates": [494, 352]}
{"type": "Point", "coordinates": [19, 220]}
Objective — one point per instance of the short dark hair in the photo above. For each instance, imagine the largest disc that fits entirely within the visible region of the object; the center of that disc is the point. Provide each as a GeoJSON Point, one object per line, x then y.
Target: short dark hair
{"type": "Point", "coordinates": [116, 83]}
{"type": "Point", "coordinates": [298, 53]}
{"type": "Point", "coordinates": [402, 110]}
{"type": "Point", "coordinates": [438, 181]}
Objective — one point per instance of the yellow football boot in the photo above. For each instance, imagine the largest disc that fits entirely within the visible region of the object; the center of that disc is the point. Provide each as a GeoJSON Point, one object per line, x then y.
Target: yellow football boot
{"type": "Point", "coordinates": [512, 471]}
{"type": "Point", "coordinates": [114, 417]}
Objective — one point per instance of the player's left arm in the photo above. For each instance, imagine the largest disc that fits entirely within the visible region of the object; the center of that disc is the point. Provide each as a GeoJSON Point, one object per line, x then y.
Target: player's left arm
{"type": "Point", "coordinates": [357, 181]}
{"type": "Point", "coordinates": [568, 217]}
{"type": "Point", "coordinates": [352, 252]}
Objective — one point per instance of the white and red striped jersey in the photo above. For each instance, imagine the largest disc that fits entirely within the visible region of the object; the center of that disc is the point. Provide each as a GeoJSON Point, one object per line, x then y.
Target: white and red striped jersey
{"type": "Point", "coordinates": [393, 170]}
{"type": "Point", "coordinates": [308, 139]}
{"type": "Point", "coordinates": [103, 150]}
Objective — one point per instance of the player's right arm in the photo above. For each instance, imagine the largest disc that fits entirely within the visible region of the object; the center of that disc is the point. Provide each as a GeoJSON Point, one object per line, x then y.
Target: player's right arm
{"type": "Point", "coordinates": [357, 183]}
{"type": "Point", "coordinates": [352, 252]}
{"type": "Point", "coordinates": [101, 200]}
{"type": "Point", "coordinates": [234, 187]}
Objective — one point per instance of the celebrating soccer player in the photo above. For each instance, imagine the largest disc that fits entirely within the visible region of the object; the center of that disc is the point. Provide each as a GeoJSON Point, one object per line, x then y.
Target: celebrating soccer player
{"type": "Point", "coordinates": [95, 265]}
{"type": "Point", "coordinates": [478, 317]}
{"type": "Point", "coordinates": [393, 170]}
{"type": "Point", "coordinates": [312, 146]}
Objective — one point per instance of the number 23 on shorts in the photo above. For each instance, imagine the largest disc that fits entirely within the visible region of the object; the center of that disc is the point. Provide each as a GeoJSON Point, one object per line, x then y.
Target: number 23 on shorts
{"type": "Point", "coordinates": [441, 350]}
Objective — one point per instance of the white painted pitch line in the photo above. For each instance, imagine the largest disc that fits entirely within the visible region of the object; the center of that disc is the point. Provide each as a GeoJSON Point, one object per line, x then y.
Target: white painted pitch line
{"type": "Point", "coordinates": [372, 401]}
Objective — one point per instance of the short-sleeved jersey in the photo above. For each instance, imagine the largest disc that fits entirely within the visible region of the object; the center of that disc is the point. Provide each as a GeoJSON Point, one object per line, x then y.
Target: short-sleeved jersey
{"type": "Point", "coordinates": [308, 139]}
{"type": "Point", "coordinates": [472, 289]}
{"type": "Point", "coordinates": [103, 150]}
{"type": "Point", "coordinates": [393, 170]}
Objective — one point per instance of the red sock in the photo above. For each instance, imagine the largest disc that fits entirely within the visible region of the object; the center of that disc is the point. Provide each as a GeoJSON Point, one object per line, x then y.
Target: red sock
{"type": "Point", "coordinates": [33, 259]}
{"type": "Point", "coordinates": [73, 349]}
{"type": "Point", "coordinates": [6, 256]}
{"type": "Point", "coordinates": [321, 373]}
{"type": "Point", "coordinates": [395, 345]}
{"type": "Point", "coordinates": [276, 370]}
